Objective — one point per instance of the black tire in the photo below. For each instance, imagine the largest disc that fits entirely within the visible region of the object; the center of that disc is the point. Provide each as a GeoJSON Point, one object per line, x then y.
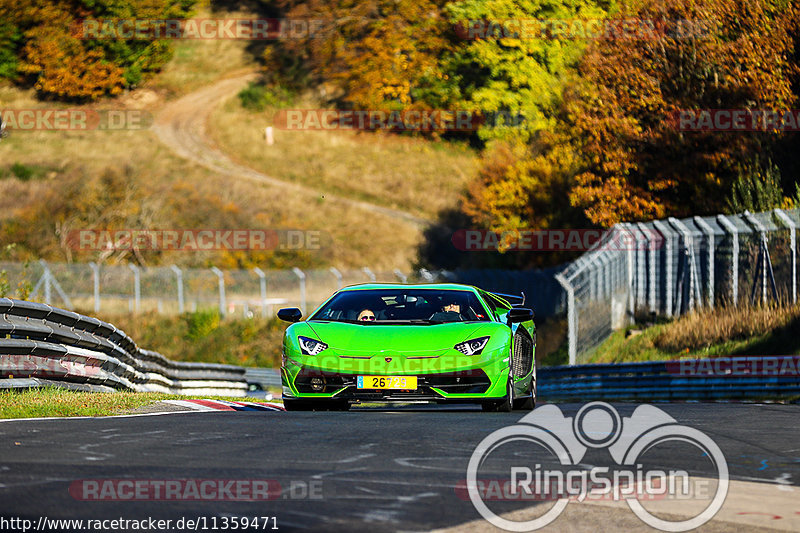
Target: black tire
{"type": "Point", "coordinates": [504, 405]}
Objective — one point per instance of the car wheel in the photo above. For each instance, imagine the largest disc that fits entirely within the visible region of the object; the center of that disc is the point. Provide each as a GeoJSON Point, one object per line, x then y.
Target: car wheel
{"type": "Point", "coordinates": [504, 405]}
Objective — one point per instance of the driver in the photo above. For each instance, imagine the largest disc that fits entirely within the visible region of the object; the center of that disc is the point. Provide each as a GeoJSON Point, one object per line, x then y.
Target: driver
{"type": "Point", "coordinates": [366, 315]}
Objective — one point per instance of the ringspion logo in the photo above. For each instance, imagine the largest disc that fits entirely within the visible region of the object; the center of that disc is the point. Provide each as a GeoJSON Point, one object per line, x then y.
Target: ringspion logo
{"type": "Point", "coordinates": [599, 426]}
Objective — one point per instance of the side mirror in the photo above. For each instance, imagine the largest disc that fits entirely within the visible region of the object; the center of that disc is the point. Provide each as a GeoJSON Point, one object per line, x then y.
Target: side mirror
{"type": "Point", "coordinates": [520, 314]}
{"type": "Point", "coordinates": [290, 314]}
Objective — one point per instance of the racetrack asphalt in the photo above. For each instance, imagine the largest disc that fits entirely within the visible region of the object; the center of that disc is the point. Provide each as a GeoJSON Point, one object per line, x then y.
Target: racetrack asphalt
{"type": "Point", "coordinates": [372, 469]}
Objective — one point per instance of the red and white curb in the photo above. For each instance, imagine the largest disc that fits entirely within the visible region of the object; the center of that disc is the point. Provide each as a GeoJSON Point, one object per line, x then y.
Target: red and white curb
{"type": "Point", "coordinates": [222, 405]}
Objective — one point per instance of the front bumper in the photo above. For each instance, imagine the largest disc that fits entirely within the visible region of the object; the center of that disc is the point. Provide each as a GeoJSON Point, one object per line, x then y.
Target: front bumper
{"type": "Point", "coordinates": [438, 379]}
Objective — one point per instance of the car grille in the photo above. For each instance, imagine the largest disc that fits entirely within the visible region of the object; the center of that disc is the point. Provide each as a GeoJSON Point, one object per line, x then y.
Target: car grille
{"type": "Point", "coordinates": [465, 382]}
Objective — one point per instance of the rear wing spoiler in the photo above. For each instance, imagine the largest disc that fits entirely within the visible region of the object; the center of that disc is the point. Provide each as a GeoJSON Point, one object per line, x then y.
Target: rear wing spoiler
{"type": "Point", "coordinates": [513, 299]}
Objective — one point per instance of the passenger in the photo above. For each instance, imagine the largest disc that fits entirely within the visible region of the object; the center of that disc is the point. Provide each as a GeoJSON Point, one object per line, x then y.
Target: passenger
{"type": "Point", "coordinates": [452, 308]}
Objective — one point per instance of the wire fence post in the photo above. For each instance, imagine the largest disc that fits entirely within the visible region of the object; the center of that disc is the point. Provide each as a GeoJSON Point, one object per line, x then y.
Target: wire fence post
{"type": "Point", "coordinates": [691, 265]}
{"type": "Point", "coordinates": [765, 261]}
{"type": "Point", "coordinates": [369, 273]}
{"type": "Point", "coordinates": [734, 233]}
{"type": "Point", "coordinates": [402, 277]}
{"type": "Point", "coordinates": [709, 233]}
{"type": "Point", "coordinates": [792, 247]}
{"type": "Point", "coordinates": [179, 280]}
{"type": "Point", "coordinates": [338, 276]}
{"type": "Point", "coordinates": [301, 276]}
{"type": "Point", "coordinates": [137, 287]}
{"type": "Point", "coordinates": [630, 265]}
{"type": "Point", "coordinates": [262, 282]}
{"type": "Point", "coordinates": [572, 319]}
{"type": "Point", "coordinates": [666, 235]}
{"type": "Point", "coordinates": [95, 285]}
{"type": "Point", "coordinates": [221, 283]}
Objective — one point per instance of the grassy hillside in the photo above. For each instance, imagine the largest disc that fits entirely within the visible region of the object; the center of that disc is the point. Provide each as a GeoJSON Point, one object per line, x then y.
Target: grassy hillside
{"type": "Point", "coordinates": [721, 332]}
{"type": "Point", "coordinates": [413, 174]}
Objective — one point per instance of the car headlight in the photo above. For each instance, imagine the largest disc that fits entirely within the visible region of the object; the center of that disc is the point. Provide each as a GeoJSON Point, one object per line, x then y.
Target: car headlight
{"type": "Point", "coordinates": [311, 346]}
{"type": "Point", "coordinates": [473, 346]}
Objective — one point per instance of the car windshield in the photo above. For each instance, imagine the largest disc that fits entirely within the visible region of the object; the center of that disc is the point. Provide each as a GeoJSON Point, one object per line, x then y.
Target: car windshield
{"type": "Point", "coordinates": [403, 306]}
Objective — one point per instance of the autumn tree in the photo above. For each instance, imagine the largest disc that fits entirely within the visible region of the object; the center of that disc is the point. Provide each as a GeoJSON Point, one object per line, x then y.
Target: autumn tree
{"type": "Point", "coordinates": [41, 42]}
{"type": "Point", "coordinates": [638, 163]}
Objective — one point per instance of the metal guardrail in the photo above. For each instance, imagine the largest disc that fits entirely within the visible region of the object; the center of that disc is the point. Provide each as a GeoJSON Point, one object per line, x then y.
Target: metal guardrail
{"type": "Point", "coordinates": [263, 377]}
{"type": "Point", "coordinates": [47, 345]}
{"type": "Point", "coordinates": [726, 378]}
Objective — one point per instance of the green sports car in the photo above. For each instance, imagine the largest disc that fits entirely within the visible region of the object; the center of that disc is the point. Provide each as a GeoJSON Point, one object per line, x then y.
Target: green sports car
{"type": "Point", "coordinates": [410, 343]}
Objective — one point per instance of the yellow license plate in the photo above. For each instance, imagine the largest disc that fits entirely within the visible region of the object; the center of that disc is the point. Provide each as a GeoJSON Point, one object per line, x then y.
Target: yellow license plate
{"type": "Point", "coordinates": [387, 382]}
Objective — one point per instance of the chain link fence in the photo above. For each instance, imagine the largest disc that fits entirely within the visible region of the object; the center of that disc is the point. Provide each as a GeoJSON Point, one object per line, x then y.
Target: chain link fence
{"type": "Point", "coordinates": [669, 267]}
{"type": "Point", "coordinates": [172, 290]}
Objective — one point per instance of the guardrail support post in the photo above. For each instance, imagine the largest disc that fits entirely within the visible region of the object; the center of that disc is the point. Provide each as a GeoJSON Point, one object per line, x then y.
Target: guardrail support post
{"type": "Point", "coordinates": [302, 277]}
{"type": "Point", "coordinates": [221, 281]}
{"type": "Point", "coordinates": [572, 319]}
{"type": "Point", "coordinates": [96, 285]}
{"type": "Point", "coordinates": [137, 287]}
{"type": "Point", "coordinates": [338, 276]}
{"type": "Point", "coordinates": [179, 276]}
{"type": "Point", "coordinates": [262, 281]}
{"type": "Point", "coordinates": [792, 246]}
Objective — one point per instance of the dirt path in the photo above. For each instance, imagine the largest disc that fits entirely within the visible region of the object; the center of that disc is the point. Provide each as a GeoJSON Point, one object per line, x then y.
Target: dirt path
{"type": "Point", "coordinates": [181, 126]}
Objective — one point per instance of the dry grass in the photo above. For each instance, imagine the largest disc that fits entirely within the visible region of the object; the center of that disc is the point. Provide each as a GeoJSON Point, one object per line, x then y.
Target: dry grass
{"type": "Point", "coordinates": [703, 329]}
{"type": "Point", "coordinates": [357, 239]}
{"type": "Point", "coordinates": [415, 175]}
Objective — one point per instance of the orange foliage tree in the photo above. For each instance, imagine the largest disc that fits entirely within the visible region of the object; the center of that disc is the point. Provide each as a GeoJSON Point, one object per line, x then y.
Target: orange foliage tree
{"type": "Point", "coordinates": [638, 164]}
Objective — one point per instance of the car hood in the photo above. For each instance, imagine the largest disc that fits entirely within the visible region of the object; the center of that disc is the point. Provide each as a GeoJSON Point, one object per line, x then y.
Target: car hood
{"type": "Point", "coordinates": [346, 338]}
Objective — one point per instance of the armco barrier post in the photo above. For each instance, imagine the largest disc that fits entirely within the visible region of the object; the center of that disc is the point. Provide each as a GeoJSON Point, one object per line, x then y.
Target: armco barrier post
{"type": "Point", "coordinates": [572, 325]}
{"type": "Point", "coordinates": [221, 282]}
{"type": "Point", "coordinates": [369, 274]}
{"type": "Point", "coordinates": [95, 285]}
{"type": "Point", "coordinates": [301, 276]}
{"type": "Point", "coordinates": [179, 280]}
{"type": "Point", "coordinates": [792, 247]}
{"type": "Point", "coordinates": [402, 277]}
{"type": "Point", "coordinates": [262, 282]}
{"type": "Point", "coordinates": [731, 228]}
